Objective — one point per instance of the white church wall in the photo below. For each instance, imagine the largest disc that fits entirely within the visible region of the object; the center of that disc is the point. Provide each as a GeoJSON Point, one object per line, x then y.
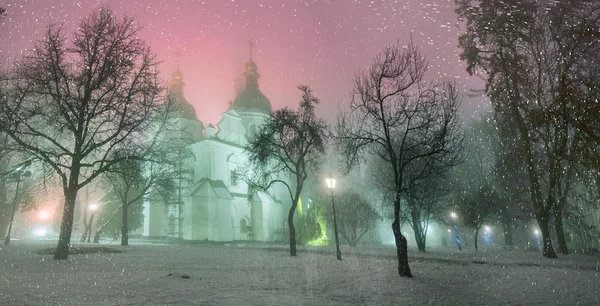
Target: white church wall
{"type": "Point", "coordinates": [231, 128]}
{"type": "Point", "coordinates": [222, 227]}
{"type": "Point", "coordinates": [239, 210]}
{"type": "Point", "coordinates": [155, 218]}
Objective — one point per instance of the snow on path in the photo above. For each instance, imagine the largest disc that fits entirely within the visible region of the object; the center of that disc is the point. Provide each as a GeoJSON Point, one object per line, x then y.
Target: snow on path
{"type": "Point", "coordinates": [220, 275]}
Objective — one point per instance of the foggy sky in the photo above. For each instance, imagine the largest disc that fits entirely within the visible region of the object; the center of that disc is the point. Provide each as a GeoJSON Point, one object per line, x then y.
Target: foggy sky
{"type": "Point", "coordinates": [320, 43]}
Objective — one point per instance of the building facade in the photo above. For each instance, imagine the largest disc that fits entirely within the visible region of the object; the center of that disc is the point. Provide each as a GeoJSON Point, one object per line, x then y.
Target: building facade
{"type": "Point", "coordinates": [213, 203]}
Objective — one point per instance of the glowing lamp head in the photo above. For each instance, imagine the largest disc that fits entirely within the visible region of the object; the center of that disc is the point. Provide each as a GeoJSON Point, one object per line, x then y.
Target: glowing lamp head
{"type": "Point", "coordinates": [487, 228]}
{"type": "Point", "coordinates": [330, 182]}
{"type": "Point", "coordinates": [453, 215]}
{"type": "Point", "coordinates": [93, 207]}
{"type": "Point", "coordinates": [536, 232]}
{"type": "Point", "coordinates": [44, 215]}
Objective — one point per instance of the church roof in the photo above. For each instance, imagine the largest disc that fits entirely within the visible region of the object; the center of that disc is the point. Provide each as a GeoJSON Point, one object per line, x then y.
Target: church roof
{"type": "Point", "coordinates": [251, 99]}
{"type": "Point", "coordinates": [264, 197]}
{"type": "Point", "coordinates": [217, 186]}
{"type": "Point", "coordinates": [184, 109]}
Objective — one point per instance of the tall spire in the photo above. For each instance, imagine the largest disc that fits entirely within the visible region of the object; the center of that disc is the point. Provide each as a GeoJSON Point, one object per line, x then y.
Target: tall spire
{"type": "Point", "coordinates": [250, 45]}
{"type": "Point", "coordinates": [251, 73]}
{"type": "Point", "coordinates": [177, 77]}
{"type": "Point", "coordinates": [177, 56]}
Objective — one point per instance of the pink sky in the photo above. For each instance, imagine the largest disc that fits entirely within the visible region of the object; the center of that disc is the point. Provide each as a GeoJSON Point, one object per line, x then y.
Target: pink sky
{"type": "Point", "coordinates": [320, 43]}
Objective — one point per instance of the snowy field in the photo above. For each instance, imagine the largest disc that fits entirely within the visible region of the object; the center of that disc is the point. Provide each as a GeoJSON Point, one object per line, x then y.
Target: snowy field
{"type": "Point", "coordinates": [154, 274]}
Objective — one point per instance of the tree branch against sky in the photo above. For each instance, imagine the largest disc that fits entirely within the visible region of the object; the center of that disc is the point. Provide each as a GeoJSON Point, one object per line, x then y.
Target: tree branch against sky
{"type": "Point", "coordinates": [355, 216]}
{"type": "Point", "coordinates": [79, 99]}
{"type": "Point", "coordinates": [531, 53]}
{"type": "Point", "coordinates": [290, 142]}
{"type": "Point", "coordinates": [397, 116]}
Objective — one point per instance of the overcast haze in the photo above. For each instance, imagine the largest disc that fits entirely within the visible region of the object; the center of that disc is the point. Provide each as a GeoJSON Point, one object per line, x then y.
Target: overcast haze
{"type": "Point", "coordinates": [318, 43]}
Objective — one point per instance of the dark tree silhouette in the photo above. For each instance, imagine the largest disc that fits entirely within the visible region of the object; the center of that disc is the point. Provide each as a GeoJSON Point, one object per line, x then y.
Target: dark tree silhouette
{"type": "Point", "coordinates": [355, 216]}
{"type": "Point", "coordinates": [292, 142]}
{"type": "Point", "coordinates": [475, 206]}
{"type": "Point", "coordinates": [531, 53]}
{"type": "Point", "coordinates": [425, 203]}
{"type": "Point", "coordinates": [78, 100]}
{"type": "Point", "coordinates": [396, 116]}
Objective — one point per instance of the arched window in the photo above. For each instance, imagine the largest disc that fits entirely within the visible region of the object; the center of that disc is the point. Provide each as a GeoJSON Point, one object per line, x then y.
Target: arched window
{"type": "Point", "coordinates": [234, 177]}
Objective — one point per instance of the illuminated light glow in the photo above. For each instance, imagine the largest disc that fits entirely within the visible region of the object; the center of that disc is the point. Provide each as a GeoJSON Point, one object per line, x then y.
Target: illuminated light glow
{"type": "Point", "coordinates": [330, 182]}
{"type": "Point", "coordinates": [40, 232]}
{"type": "Point", "coordinates": [93, 207]}
{"type": "Point", "coordinates": [44, 215]}
{"type": "Point", "coordinates": [321, 240]}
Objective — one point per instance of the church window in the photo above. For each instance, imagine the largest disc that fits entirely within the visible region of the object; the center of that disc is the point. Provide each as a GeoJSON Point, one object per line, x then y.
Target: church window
{"type": "Point", "coordinates": [243, 226]}
{"type": "Point", "coordinates": [234, 178]}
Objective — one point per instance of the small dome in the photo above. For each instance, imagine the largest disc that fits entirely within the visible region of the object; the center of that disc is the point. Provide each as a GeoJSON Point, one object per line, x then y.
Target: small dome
{"type": "Point", "coordinates": [251, 99]}
{"type": "Point", "coordinates": [184, 110]}
{"type": "Point", "coordinates": [177, 75]}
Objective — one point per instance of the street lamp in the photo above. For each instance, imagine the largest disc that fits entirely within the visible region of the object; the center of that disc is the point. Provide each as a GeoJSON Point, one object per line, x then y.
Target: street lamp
{"type": "Point", "coordinates": [453, 215]}
{"type": "Point", "coordinates": [18, 174]}
{"type": "Point", "coordinates": [92, 208]}
{"type": "Point", "coordinates": [331, 186]}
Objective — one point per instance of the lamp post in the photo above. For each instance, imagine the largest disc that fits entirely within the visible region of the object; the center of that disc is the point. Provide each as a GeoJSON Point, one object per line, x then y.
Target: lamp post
{"type": "Point", "coordinates": [18, 174]}
{"type": "Point", "coordinates": [453, 215]}
{"type": "Point", "coordinates": [92, 208]}
{"type": "Point", "coordinates": [537, 238]}
{"type": "Point", "coordinates": [331, 186]}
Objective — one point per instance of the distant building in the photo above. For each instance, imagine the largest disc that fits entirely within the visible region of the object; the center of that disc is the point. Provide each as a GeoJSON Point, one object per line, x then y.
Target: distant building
{"type": "Point", "coordinates": [215, 204]}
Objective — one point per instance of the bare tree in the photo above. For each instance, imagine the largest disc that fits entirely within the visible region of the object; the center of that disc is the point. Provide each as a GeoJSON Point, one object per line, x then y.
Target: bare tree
{"type": "Point", "coordinates": [5, 159]}
{"type": "Point", "coordinates": [80, 99]}
{"type": "Point", "coordinates": [133, 180]}
{"type": "Point", "coordinates": [531, 53]}
{"type": "Point", "coordinates": [424, 204]}
{"type": "Point", "coordinates": [355, 216]}
{"type": "Point", "coordinates": [396, 116]}
{"type": "Point", "coordinates": [290, 142]}
{"type": "Point", "coordinates": [475, 206]}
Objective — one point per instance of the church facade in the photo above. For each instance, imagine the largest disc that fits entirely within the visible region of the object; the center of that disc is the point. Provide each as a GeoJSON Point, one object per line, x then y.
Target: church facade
{"type": "Point", "coordinates": [213, 203]}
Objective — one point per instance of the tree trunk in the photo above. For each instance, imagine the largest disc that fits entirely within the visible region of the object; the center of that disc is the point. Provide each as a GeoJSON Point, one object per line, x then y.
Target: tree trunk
{"type": "Point", "coordinates": [560, 232]}
{"type": "Point", "coordinates": [354, 240]}
{"type": "Point", "coordinates": [292, 229]}
{"type": "Point", "coordinates": [508, 240]}
{"type": "Point", "coordinates": [66, 226]}
{"type": "Point", "coordinates": [97, 236]}
{"type": "Point", "coordinates": [101, 228]}
{"type": "Point", "coordinates": [548, 250]}
{"type": "Point", "coordinates": [420, 238]}
{"type": "Point", "coordinates": [4, 205]}
{"type": "Point", "coordinates": [418, 230]}
{"type": "Point", "coordinates": [124, 230]}
{"type": "Point", "coordinates": [401, 243]}
{"type": "Point", "coordinates": [476, 235]}
{"type": "Point", "coordinates": [89, 229]}
{"type": "Point", "coordinates": [86, 233]}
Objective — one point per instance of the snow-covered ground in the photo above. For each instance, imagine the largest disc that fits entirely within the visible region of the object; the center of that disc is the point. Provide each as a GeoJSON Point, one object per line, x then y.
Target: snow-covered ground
{"type": "Point", "coordinates": [151, 274]}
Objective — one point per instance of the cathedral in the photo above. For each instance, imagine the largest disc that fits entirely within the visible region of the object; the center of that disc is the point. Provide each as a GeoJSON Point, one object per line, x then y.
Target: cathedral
{"type": "Point", "coordinates": [213, 203]}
